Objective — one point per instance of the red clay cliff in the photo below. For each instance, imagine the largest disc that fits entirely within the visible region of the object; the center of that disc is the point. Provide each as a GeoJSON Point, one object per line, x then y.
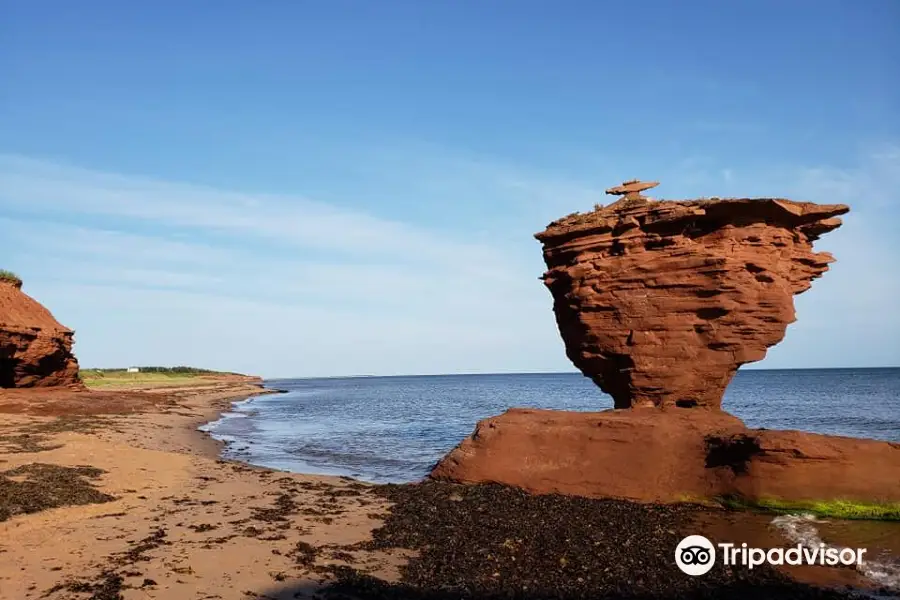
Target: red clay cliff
{"type": "Point", "coordinates": [660, 303]}
{"type": "Point", "coordinates": [35, 349]}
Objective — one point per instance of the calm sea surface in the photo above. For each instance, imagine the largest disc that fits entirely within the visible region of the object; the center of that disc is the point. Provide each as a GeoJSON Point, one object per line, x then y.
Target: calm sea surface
{"type": "Point", "coordinates": [393, 429]}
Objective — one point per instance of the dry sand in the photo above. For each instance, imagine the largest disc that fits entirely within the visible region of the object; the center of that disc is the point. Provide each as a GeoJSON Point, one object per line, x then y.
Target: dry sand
{"type": "Point", "coordinates": [176, 522]}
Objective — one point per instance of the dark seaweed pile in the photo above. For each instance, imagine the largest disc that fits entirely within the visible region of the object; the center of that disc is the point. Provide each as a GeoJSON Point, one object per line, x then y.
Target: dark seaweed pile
{"type": "Point", "coordinates": [489, 541]}
{"type": "Point", "coordinates": [36, 487]}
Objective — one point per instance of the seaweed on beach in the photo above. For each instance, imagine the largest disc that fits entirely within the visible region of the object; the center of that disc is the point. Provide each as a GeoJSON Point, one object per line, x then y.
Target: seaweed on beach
{"type": "Point", "coordinates": [35, 437]}
{"type": "Point", "coordinates": [35, 487]}
{"type": "Point", "coordinates": [136, 553]}
{"type": "Point", "coordinates": [24, 443]}
{"type": "Point", "coordinates": [108, 586]}
{"type": "Point", "coordinates": [69, 423]}
{"type": "Point", "coordinates": [109, 583]}
{"type": "Point", "coordinates": [284, 507]}
{"type": "Point", "coordinates": [304, 553]}
{"type": "Point", "coordinates": [490, 541]}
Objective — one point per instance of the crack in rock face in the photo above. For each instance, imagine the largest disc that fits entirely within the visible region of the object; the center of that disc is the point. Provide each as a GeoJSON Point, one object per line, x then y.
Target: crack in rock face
{"type": "Point", "coordinates": [660, 302]}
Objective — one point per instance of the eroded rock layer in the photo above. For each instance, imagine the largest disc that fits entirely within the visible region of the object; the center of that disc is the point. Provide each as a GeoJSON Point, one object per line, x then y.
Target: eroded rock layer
{"type": "Point", "coordinates": [35, 349]}
{"type": "Point", "coordinates": [660, 302]}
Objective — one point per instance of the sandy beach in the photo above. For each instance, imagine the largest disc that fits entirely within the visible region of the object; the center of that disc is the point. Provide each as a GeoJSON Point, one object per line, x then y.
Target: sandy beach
{"type": "Point", "coordinates": [161, 516]}
{"type": "Point", "coordinates": [116, 494]}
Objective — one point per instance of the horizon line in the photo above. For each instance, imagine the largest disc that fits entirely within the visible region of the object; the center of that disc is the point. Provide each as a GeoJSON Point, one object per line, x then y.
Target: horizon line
{"type": "Point", "coordinates": [364, 376]}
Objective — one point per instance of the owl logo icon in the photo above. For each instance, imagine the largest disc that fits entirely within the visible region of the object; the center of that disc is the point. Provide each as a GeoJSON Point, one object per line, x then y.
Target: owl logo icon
{"type": "Point", "coordinates": [695, 555]}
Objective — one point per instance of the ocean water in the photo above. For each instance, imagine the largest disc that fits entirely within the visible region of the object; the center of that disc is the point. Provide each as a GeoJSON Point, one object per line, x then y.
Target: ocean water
{"type": "Point", "coordinates": [393, 429]}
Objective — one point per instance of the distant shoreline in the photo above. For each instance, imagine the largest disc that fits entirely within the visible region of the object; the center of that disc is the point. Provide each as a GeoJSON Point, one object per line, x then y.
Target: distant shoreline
{"type": "Point", "coordinates": [535, 373]}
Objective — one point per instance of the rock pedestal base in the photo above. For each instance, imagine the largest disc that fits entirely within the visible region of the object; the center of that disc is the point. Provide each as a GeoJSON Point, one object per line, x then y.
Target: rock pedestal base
{"type": "Point", "coordinates": [675, 455]}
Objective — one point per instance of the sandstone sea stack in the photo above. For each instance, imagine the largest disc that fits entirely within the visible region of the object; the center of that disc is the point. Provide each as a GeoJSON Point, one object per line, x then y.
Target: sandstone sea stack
{"type": "Point", "coordinates": [35, 349]}
{"type": "Point", "coordinates": [659, 303]}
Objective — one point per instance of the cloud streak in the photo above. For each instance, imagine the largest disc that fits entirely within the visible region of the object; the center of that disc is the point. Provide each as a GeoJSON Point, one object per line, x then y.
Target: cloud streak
{"type": "Point", "coordinates": [36, 187]}
{"type": "Point", "coordinates": [396, 296]}
{"type": "Point", "coordinates": [151, 271]}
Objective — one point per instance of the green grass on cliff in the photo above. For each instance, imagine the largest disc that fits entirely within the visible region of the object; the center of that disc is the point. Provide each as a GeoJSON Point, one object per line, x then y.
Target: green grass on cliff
{"type": "Point", "coordinates": [10, 277]}
{"type": "Point", "coordinates": [147, 376]}
{"type": "Point", "coordinates": [98, 379]}
{"type": "Point", "coordinates": [835, 509]}
{"type": "Point", "coordinates": [180, 370]}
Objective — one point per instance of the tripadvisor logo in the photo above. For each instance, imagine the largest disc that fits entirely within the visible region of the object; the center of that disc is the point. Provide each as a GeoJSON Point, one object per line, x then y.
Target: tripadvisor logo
{"type": "Point", "coordinates": [696, 555]}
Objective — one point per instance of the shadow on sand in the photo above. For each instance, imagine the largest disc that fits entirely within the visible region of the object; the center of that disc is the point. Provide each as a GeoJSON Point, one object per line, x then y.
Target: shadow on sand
{"type": "Point", "coordinates": [367, 588]}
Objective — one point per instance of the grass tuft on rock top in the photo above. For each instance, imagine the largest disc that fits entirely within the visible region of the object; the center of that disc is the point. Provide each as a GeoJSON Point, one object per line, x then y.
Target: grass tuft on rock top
{"type": "Point", "coordinates": [835, 509]}
{"type": "Point", "coordinates": [10, 277]}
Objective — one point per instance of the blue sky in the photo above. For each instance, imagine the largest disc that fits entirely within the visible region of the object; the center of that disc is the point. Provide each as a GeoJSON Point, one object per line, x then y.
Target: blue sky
{"type": "Point", "coordinates": [323, 188]}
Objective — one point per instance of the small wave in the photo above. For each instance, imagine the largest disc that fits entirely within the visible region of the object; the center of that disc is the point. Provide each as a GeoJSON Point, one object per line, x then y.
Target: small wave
{"type": "Point", "coordinates": [801, 529]}
{"type": "Point", "coordinates": [239, 410]}
{"type": "Point", "coordinates": [349, 459]}
{"type": "Point", "coordinates": [224, 418]}
{"type": "Point", "coordinates": [235, 415]}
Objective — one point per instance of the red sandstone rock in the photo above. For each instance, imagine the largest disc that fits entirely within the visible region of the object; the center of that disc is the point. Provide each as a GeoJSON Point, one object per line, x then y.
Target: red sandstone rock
{"type": "Point", "coordinates": [670, 455]}
{"type": "Point", "coordinates": [660, 302]}
{"type": "Point", "coordinates": [35, 350]}
{"type": "Point", "coordinates": [631, 190]}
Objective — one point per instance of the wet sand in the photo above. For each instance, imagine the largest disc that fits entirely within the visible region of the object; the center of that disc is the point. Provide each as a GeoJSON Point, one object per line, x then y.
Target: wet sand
{"type": "Point", "coordinates": [115, 494]}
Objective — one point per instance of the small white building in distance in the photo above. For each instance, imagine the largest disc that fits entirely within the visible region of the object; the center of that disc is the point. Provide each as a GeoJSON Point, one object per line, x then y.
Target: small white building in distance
{"type": "Point", "coordinates": [133, 370]}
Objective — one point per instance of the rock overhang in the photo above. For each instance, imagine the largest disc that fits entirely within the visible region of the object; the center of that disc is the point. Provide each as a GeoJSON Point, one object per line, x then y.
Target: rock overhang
{"type": "Point", "coordinates": [660, 302]}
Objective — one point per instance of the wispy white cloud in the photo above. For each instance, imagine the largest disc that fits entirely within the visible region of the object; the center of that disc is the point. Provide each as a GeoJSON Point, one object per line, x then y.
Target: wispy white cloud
{"type": "Point", "coordinates": [38, 187]}
{"type": "Point", "coordinates": [874, 184]}
{"type": "Point", "coordinates": [182, 260]}
{"type": "Point", "coordinates": [151, 271]}
{"type": "Point", "coordinates": [870, 182]}
{"type": "Point", "coordinates": [480, 192]}
{"type": "Point", "coordinates": [131, 260]}
{"type": "Point", "coordinates": [848, 317]}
